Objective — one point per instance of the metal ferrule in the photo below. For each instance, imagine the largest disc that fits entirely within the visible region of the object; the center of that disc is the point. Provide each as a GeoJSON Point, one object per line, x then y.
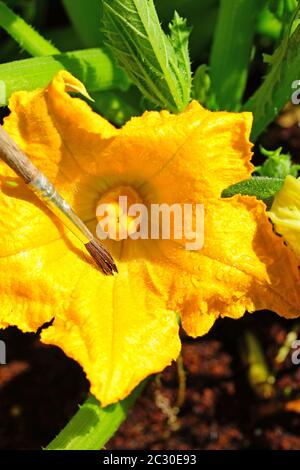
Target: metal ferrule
{"type": "Point", "coordinates": [45, 190]}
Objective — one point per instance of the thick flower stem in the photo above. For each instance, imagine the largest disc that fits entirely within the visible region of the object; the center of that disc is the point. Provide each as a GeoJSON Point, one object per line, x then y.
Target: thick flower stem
{"type": "Point", "coordinates": [93, 426]}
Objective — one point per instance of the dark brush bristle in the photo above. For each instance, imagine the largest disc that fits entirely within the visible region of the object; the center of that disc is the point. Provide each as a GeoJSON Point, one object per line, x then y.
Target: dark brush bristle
{"type": "Point", "coordinates": [102, 257]}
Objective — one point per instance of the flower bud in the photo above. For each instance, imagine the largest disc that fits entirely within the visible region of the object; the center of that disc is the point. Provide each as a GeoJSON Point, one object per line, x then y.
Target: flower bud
{"type": "Point", "coordinates": [285, 213]}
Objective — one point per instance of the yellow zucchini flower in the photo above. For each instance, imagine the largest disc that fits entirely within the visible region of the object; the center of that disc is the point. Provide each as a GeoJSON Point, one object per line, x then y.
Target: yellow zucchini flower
{"type": "Point", "coordinates": [123, 328]}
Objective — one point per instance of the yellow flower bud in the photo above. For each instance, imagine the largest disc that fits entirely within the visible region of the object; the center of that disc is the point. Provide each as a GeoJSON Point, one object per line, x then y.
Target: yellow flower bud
{"type": "Point", "coordinates": [285, 213]}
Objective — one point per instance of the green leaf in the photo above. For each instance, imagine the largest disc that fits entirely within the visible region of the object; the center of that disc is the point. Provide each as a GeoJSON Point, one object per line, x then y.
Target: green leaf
{"type": "Point", "coordinates": [92, 66]}
{"type": "Point", "coordinates": [201, 14]}
{"type": "Point", "coordinates": [231, 50]}
{"type": "Point", "coordinates": [29, 39]}
{"type": "Point", "coordinates": [276, 89]}
{"type": "Point", "coordinates": [277, 164]}
{"type": "Point", "coordinates": [92, 426]}
{"type": "Point", "coordinates": [179, 37]}
{"type": "Point", "coordinates": [261, 187]}
{"type": "Point", "coordinates": [141, 47]}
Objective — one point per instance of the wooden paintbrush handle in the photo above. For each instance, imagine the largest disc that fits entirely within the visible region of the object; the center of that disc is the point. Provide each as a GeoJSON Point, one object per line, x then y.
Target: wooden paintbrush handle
{"type": "Point", "coordinates": [41, 186]}
{"type": "Point", "coordinates": [15, 158]}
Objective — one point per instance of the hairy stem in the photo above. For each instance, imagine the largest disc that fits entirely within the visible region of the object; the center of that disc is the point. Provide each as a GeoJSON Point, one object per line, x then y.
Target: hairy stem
{"type": "Point", "coordinates": [28, 39]}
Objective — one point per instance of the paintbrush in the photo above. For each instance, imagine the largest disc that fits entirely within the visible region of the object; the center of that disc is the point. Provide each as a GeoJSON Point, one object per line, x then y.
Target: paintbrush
{"type": "Point", "coordinates": [13, 156]}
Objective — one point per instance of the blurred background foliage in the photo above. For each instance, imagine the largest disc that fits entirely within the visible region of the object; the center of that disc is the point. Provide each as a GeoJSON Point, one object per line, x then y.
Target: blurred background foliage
{"type": "Point", "coordinates": [69, 30]}
{"type": "Point", "coordinates": [62, 22]}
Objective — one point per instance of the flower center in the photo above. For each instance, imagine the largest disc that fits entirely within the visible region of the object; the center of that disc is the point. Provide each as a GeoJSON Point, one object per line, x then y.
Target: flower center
{"type": "Point", "coordinates": [113, 213]}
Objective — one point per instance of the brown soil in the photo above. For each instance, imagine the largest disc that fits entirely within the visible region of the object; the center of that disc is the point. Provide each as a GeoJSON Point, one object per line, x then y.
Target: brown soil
{"type": "Point", "coordinates": [40, 390]}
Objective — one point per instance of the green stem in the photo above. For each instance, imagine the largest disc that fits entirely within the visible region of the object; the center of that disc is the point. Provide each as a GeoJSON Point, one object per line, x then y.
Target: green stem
{"type": "Point", "coordinates": [93, 426]}
{"type": "Point", "coordinates": [29, 39]}
{"type": "Point", "coordinates": [181, 382]}
{"type": "Point", "coordinates": [93, 67]}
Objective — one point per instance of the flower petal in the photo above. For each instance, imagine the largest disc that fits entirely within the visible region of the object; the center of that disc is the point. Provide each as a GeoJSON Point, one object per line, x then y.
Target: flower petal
{"type": "Point", "coordinates": [117, 328]}
{"type": "Point", "coordinates": [59, 133]}
{"type": "Point", "coordinates": [209, 150]}
{"type": "Point", "coordinates": [62, 136]}
{"type": "Point", "coordinates": [242, 266]}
